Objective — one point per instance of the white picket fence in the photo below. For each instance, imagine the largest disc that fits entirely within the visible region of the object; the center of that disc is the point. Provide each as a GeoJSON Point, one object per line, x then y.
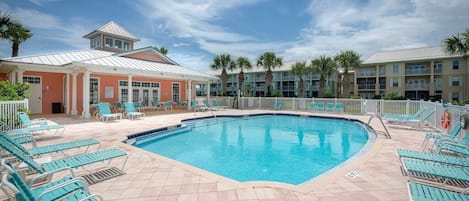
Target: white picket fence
{"type": "Point", "coordinates": [352, 106]}
{"type": "Point", "coordinates": [9, 110]}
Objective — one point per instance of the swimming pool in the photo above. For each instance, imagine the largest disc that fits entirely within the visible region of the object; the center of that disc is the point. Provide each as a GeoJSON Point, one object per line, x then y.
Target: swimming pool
{"type": "Point", "coordinates": [281, 148]}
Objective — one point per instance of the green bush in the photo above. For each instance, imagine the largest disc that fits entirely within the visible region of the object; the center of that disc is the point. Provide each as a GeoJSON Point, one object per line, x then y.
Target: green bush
{"type": "Point", "coordinates": [13, 91]}
{"type": "Point", "coordinates": [355, 96]}
{"type": "Point", "coordinates": [329, 94]}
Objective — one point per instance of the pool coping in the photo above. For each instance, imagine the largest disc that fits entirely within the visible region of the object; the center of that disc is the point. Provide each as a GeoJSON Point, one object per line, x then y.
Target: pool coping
{"type": "Point", "coordinates": [313, 184]}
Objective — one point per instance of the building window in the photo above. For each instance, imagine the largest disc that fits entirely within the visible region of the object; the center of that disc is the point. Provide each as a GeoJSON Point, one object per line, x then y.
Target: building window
{"type": "Point", "coordinates": [126, 45]}
{"type": "Point", "coordinates": [96, 42]}
{"type": "Point", "coordinates": [395, 68]}
{"type": "Point", "coordinates": [94, 91]}
{"type": "Point", "coordinates": [454, 96]}
{"type": "Point", "coordinates": [455, 64]}
{"type": "Point", "coordinates": [32, 80]}
{"type": "Point", "coordinates": [395, 82]}
{"type": "Point", "coordinates": [109, 42]}
{"type": "Point", "coordinates": [455, 81]}
{"type": "Point", "coordinates": [176, 92]}
{"type": "Point", "coordinates": [118, 44]}
{"type": "Point", "coordinates": [438, 67]}
{"type": "Point", "coordinates": [124, 94]}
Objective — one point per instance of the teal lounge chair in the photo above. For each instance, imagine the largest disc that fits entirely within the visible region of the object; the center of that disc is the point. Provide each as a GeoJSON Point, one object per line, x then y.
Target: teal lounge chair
{"type": "Point", "coordinates": [60, 147]}
{"type": "Point", "coordinates": [339, 107]}
{"type": "Point", "coordinates": [207, 104]}
{"type": "Point", "coordinates": [436, 173]}
{"type": "Point", "coordinates": [21, 135]}
{"type": "Point", "coordinates": [105, 114]}
{"type": "Point", "coordinates": [329, 107]}
{"type": "Point", "coordinates": [168, 105]}
{"type": "Point", "coordinates": [312, 106]}
{"type": "Point", "coordinates": [433, 157]}
{"type": "Point", "coordinates": [423, 192]}
{"type": "Point", "coordinates": [436, 136]}
{"type": "Point", "coordinates": [156, 105]}
{"type": "Point", "coordinates": [216, 105]}
{"type": "Point", "coordinates": [196, 107]}
{"type": "Point", "coordinates": [405, 116]}
{"type": "Point", "coordinates": [418, 122]}
{"type": "Point", "coordinates": [67, 188]}
{"type": "Point", "coordinates": [38, 125]}
{"type": "Point", "coordinates": [131, 112]}
{"type": "Point", "coordinates": [320, 107]}
{"type": "Point", "coordinates": [278, 105]}
{"type": "Point", "coordinates": [68, 162]}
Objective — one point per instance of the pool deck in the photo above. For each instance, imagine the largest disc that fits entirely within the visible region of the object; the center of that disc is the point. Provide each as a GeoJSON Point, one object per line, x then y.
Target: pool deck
{"type": "Point", "coordinates": [153, 177]}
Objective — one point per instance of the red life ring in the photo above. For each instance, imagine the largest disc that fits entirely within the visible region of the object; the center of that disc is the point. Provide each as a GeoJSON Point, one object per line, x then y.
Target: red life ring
{"type": "Point", "coordinates": [445, 120]}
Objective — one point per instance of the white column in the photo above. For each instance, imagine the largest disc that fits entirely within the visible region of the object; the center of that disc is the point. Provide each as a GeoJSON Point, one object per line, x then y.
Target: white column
{"type": "Point", "coordinates": [86, 95]}
{"type": "Point", "coordinates": [67, 94]}
{"type": "Point", "coordinates": [12, 77]}
{"type": "Point", "coordinates": [129, 85]}
{"type": "Point", "coordinates": [20, 75]}
{"type": "Point", "coordinates": [189, 94]}
{"type": "Point", "coordinates": [208, 90]}
{"type": "Point", "coordinates": [74, 94]}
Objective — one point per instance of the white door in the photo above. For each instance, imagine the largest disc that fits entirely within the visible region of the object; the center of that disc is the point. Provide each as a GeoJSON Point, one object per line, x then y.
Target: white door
{"type": "Point", "coordinates": [35, 94]}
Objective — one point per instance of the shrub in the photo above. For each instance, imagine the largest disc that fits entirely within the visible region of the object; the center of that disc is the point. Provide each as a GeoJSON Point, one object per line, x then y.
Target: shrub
{"type": "Point", "coordinates": [13, 91]}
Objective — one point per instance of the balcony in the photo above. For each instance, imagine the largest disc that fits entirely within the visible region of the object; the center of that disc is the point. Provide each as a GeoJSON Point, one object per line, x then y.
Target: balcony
{"type": "Point", "coordinates": [366, 74]}
{"type": "Point", "coordinates": [288, 88]}
{"type": "Point", "coordinates": [438, 70]}
{"type": "Point", "coordinates": [366, 86]}
{"type": "Point", "coordinates": [420, 86]}
{"type": "Point", "coordinates": [421, 71]}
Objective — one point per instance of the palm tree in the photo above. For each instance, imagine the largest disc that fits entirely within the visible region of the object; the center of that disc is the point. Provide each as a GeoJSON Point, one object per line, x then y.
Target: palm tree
{"type": "Point", "coordinates": [242, 63]}
{"type": "Point", "coordinates": [17, 34]}
{"type": "Point", "coordinates": [348, 60]}
{"type": "Point", "coordinates": [299, 69]}
{"type": "Point", "coordinates": [5, 22]}
{"type": "Point", "coordinates": [325, 66]}
{"type": "Point", "coordinates": [458, 44]}
{"type": "Point", "coordinates": [223, 62]}
{"type": "Point", "coordinates": [163, 50]}
{"type": "Point", "coordinates": [269, 61]}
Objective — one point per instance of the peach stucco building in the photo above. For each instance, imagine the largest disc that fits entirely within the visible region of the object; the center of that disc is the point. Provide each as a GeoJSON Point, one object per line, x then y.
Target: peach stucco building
{"type": "Point", "coordinates": [110, 71]}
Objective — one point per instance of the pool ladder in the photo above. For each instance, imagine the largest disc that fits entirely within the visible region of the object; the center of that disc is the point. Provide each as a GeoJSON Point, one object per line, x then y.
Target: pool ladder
{"type": "Point", "coordinates": [375, 115]}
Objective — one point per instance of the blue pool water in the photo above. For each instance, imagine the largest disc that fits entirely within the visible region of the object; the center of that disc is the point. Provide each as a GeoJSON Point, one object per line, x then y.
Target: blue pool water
{"type": "Point", "coordinates": [281, 148]}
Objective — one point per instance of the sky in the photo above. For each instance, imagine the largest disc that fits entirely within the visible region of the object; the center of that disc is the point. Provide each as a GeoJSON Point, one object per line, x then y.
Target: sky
{"type": "Point", "coordinates": [196, 31]}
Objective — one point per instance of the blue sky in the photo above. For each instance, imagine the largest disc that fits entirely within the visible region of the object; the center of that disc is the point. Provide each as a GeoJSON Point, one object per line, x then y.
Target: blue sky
{"type": "Point", "coordinates": [195, 31]}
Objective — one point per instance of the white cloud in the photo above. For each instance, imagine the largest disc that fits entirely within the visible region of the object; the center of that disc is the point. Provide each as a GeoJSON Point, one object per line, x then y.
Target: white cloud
{"type": "Point", "coordinates": [41, 2]}
{"type": "Point", "coordinates": [378, 25]}
{"type": "Point", "coordinates": [197, 62]}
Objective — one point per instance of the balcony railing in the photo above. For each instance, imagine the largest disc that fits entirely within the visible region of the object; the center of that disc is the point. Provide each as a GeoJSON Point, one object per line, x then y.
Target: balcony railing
{"type": "Point", "coordinates": [366, 74]}
{"type": "Point", "coordinates": [421, 86]}
{"type": "Point", "coordinates": [417, 71]}
{"type": "Point", "coordinates": [438, 70]}
{"type": "Point", "coordinates": [366, 86]}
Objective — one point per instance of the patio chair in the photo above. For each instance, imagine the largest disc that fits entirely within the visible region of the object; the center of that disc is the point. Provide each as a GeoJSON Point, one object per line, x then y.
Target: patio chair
{"type": "Point", "coordinates": [312, 106]}
{"type": "Point", "coordinates": [156, 105]}
{"type": "Point", "coordinates": [104, 113]}
{"type": "Point", "coordinates": [436, 136]}
{"type": "Point", "coordinates": [339, 107]}
{"type": "Point", "coordinates": [418, 122]}
{"type": "Point", "coordinates": [168, 105]}
{"type": "Point", "coordinates": [68, 187]}
{"type": "Point", "coordinates": [196, 107]}
{"type": "Point", "coordinates": [38, 125]}
{"type": "Point", "coordinates": [419, 191]}
{"type": "Point", "coordinates": [437, 173]}
{"type": "Point", "coordinates": [434, 157]}
{"type": "Point", "coordinates": [207, 104]}
{"type": "Point", "coordinates": [278, 105]}
{"type": "Point", "coordinates": [405, 116]}
{"type": "Point", "coordinates": [330, 107]}
{"type": "Point", "coordinates": [215, 104]}
{"type": "Point", "coordinates": [131, 112]}
{"type": "Point", "coordinates": [320, 107]}
{"type": "Point", "coordinates": [59, 164]}
{"type": "Point", "coordinates": [59, 147]}
{"type": "Point", "coordinates": [21, 135]}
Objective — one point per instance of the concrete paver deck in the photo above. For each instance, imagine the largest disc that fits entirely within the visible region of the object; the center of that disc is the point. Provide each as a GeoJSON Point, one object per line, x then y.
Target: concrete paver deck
{"type": "Point", "coordinates": [153, 177]}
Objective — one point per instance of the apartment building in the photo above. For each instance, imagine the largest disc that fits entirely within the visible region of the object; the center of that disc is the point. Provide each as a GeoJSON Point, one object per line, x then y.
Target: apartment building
{"type": "Point", "coordinates": [420, 73]}
{"type": "Point", "coordinates": [283, 82]}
